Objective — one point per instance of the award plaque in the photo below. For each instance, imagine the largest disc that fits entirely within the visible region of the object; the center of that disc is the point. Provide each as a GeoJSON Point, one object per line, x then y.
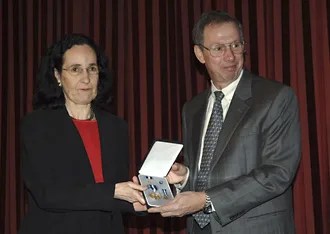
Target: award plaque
{"type": "Point", "coordinates": [158, 191]}
{"type": "Point", "coordinates": [154, 170]}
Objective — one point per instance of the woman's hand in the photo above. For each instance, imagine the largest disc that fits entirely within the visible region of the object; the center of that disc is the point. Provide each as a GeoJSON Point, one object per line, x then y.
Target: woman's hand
{"type": "Point", "coordinates": [130, 191]}
{"type": "Point", "coordinates": [139, 207]}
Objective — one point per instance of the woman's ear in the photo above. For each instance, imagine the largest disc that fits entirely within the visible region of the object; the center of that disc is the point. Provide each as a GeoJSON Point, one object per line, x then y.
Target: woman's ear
{"type": "Point", "coordinates": [58, 77]}
{"type": "Point", "coordinates": [199, 54]}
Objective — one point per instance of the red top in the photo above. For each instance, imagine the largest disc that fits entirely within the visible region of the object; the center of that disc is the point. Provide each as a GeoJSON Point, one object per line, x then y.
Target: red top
{"type": "Point", "coordinates": [89, 132]}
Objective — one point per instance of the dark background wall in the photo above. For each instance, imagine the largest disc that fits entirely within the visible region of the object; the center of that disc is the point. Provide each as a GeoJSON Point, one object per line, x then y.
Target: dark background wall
{"type": "Point", "coordinates": [155, 72]}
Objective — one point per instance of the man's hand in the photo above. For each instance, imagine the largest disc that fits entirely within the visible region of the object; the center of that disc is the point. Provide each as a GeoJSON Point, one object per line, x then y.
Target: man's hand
{"type": "Point", "coordinates": [184, 203]}
{"type": "Point", "coordinates": [177, 174]}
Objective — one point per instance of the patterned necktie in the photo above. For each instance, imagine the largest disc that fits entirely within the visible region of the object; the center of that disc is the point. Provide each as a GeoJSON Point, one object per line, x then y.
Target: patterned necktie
{"type": "Point", "coordinates": [210, 142]}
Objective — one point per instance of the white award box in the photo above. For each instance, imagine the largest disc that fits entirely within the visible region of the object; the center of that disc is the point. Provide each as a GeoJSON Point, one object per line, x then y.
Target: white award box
{"type": "Point", "coordinates": [156, 166]}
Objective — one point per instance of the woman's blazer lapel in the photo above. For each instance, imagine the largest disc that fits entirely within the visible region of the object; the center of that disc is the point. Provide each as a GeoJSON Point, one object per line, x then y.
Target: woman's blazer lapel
{"type": "Point", "coordinates": [70, 145]}
{"type": "Point", "coordinates": [114, 147]}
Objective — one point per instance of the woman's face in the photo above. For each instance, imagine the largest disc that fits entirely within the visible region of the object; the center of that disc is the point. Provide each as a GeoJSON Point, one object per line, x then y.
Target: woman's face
{"type": "Point", "coordinates": [79, 76]}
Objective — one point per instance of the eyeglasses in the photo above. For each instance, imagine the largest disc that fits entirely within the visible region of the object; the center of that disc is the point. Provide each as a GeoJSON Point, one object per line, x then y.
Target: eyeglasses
{"type": "Point", "coordinates": [77, 70]}
{"type": "Point", "coordinates": [237, 47]}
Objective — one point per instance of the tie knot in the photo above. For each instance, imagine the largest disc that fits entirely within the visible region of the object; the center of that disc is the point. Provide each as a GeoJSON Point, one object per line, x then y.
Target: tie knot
{"type": "Point", "coordinates": [218, 95]}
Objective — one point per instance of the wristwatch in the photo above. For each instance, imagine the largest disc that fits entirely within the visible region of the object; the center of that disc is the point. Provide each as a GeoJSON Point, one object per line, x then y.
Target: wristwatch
{"type": "Point", "coordinates": [208, 205]}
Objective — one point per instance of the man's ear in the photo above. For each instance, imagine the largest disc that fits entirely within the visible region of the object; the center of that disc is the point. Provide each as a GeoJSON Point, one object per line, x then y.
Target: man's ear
{"type": "Point", "coordinates": [199, 54]}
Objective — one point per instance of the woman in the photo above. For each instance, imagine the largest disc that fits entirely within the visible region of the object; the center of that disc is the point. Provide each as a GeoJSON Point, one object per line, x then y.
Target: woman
{"type": "Point", "coordinates": [75, 154]}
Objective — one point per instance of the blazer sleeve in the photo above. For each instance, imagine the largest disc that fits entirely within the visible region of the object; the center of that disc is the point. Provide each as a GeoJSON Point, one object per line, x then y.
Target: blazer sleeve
{"type": "Point", "coordinates": [48, 194]}
{"type": "Point", "coordinates": [279, 154]}
{"type": "Point", "coordinates": [186, 160]}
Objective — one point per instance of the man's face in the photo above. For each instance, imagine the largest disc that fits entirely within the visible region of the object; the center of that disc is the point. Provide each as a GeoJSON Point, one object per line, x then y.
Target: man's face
{"type": "Point", "coordinates": [226, 67]}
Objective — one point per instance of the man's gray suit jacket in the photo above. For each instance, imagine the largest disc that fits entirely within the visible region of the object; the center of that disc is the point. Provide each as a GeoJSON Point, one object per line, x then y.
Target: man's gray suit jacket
{"type": "Point", "coordinates": [255, 161]}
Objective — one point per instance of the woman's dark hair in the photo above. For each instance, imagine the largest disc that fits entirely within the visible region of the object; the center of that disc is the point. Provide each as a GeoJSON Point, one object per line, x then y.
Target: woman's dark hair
{"type": "Point", "coordinates": [48, 94]}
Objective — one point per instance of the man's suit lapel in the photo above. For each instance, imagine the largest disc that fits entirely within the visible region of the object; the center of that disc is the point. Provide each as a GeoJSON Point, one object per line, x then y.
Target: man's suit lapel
{"type": "Point", "coordinates": [236, 112]}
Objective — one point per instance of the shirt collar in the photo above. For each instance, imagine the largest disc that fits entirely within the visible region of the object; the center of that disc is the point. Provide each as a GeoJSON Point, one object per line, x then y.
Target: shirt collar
{"type": "Point", "coordinates": [229, 90]}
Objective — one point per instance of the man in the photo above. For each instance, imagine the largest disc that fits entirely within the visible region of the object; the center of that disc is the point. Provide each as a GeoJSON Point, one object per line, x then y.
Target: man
{"type": "Point", "coordinates": [242, 145]}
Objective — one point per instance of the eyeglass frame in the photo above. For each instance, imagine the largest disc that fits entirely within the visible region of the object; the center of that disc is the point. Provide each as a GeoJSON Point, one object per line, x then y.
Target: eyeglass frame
{"type": "Point", "coordinates": [222, 46]}
{"type": "Point", "coordinates": [82, 69]}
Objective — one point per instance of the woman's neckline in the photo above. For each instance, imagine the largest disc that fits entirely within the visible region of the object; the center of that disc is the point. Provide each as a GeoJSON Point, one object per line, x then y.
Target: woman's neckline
{"type": "Point", "coordinates": [90, 118]}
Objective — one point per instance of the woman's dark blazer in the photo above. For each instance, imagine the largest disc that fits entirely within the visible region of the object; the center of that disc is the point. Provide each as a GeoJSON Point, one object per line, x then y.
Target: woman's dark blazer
{"type": "Point", "coordinates": [63, 197]}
